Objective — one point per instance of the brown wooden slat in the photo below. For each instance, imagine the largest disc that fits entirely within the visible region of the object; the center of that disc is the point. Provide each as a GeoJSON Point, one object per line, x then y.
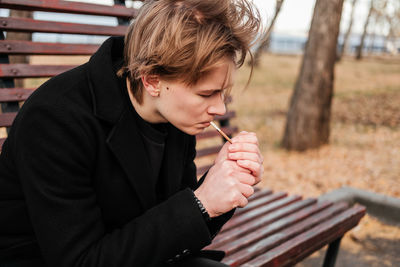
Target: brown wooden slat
{"type": "Point", "coordinates": [228, 115]}
{"type": "Point", "coordinates": [15, 94]}
{"type": "Point", "coordinates": [260, 241]}
{"type": "Point", "coordinates": [252, 225]}
{"type": "Point", "coordinates": [258, 193]}
{"type": "Point", "coordinates": [70, 7]}
{"type": "Point", "coordinates": [264, 238]}
{"type": "Point", "coordinates": [288, 254]}
{"type": "Point", "coordinates": [201, 170]}
{"type": "Point", "coordinates": [208, 151]}
{"type": "Point", "coordinates": [276, 201]}
{"type": "Point", "coordinates": [228, 99]}
{"type": "Point", "coordinates": [2, 142]}
{"type": "Point", "coordinates": [213, 133]}
{"type": "Point", "coordinates": [35, 48]}
{"type": "Point", "coordinates": [32, 25]}
{"type": "Point", "coordinates": [253, 200]}
{"type": "Point", "coordinates": [261, 203]}
{"type": "Point", "coordinates": [31, 71]}
{"type": "Point", "coordinates": [6, 119]}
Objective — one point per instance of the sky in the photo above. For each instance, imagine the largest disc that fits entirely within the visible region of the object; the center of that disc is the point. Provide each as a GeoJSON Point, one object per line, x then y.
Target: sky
{"type": "Point", "coordinates": [295, 16]}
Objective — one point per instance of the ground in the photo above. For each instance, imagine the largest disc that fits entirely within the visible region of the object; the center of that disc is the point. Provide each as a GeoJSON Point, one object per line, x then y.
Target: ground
{"type": "Point", "coordinates": [363, 152]}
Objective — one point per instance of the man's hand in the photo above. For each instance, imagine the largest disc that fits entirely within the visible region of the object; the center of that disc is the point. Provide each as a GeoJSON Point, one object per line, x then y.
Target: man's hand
{"type": "Point", "coordinates": [230, 181]}
{"type": "Point", "coordinates": [226, 186]}
{"type": "Point", "coordinates": [244, 150]}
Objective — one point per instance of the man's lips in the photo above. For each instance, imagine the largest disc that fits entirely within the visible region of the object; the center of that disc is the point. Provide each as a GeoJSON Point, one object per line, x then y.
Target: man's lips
{"type": "Point", "coordinates": [205, 124]}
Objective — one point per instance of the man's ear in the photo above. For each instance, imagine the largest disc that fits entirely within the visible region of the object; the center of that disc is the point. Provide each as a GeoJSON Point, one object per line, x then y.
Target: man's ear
{"type": "Point", "coordinates": [151, 84]}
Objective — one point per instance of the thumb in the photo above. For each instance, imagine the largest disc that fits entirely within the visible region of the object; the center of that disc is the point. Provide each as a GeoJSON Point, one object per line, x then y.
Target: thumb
{"type": "Point", "coordinates": [223, 153]}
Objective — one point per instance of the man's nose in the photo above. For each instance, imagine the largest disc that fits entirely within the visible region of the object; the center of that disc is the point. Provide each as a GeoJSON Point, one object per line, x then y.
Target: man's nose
{"type": "Point", "coordinates": [217, 106]}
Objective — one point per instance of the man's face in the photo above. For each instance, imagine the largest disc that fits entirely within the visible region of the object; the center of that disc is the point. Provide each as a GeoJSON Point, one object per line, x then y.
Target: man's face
{"type": "Point", "coordinates": [191, 109]}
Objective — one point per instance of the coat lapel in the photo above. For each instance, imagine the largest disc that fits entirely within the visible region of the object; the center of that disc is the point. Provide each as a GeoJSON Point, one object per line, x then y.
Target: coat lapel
{"type": "Point", "coordinates": [127, 145]}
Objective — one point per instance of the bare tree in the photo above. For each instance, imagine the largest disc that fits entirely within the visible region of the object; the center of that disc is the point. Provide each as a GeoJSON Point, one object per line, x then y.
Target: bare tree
{"type": "Point", "coordinates": [266, 38]}
{"type": "Point", "coordinates": [379, 16]}
{"type": "Point", "coordinates": [362, 41]}
{"type": "Point", "coordinates": [348, 32]}
{"type": "Point", "coordinates": [308, 118]}
{"type": "Point", "coordinates": [393, 20]}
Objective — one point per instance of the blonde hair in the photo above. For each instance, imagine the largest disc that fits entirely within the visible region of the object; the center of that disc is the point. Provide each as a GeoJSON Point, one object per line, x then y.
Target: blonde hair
{"type": "Point", "coordinates": [183, 39]}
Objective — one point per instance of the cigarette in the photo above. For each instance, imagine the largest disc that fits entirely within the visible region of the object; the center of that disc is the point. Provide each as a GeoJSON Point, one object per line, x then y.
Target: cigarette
{"type": "Point", "coordinates": [221, 132]}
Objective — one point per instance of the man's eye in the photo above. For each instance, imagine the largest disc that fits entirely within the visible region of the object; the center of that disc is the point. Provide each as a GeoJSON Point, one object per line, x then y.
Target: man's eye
{"type": "Point", "coordinates": [213, 93]}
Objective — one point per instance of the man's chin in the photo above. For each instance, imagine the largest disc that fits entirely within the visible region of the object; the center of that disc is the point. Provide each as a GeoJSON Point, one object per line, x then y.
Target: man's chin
{"type": "Point", "coordinates": [193, 131]}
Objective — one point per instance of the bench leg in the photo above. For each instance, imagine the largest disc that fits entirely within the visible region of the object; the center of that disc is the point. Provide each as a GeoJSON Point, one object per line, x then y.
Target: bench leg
{"type": "Point", "coordinates": [331, 253]}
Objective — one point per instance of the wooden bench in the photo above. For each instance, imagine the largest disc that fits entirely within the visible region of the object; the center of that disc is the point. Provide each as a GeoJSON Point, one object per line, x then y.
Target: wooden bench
{"type": "Point", "coordinates": [273, 230]}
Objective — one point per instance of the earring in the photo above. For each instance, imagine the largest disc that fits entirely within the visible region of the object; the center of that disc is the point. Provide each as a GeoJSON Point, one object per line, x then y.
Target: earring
{"type": "Point", "coordinates": [157, 91]}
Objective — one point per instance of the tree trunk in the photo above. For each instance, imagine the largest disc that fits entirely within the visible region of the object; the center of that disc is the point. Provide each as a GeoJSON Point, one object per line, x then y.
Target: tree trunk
{"type": "Point", "coordinates": [348, 32]}
{"type": "Point", "coordinates": [22, 36]}
{"type": "Point", "coordinates": [308, 118]}
{"type": "Point", "coordinates": [362, 41]}
{"type": "Point", "coordinates": [266, 38]}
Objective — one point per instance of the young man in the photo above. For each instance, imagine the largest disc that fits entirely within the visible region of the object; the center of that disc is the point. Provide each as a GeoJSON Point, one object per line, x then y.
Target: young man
{"type": "Point", "coordinates": [98, 167]}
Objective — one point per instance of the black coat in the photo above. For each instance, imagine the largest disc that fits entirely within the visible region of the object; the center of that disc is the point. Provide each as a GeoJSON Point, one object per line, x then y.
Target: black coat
{"type": "Point", "coordinates": [74, 178]}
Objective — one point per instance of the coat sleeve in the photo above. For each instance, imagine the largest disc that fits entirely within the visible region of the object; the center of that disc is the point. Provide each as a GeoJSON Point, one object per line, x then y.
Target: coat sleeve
{"type": "Point", "coordinates": [216, 223]}
{"type": "Point", "coordinates": [54, 151]}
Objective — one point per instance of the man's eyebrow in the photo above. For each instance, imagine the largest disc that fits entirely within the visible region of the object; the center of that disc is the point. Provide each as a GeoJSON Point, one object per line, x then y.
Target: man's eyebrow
{"type": "Point", "coordinates": [217, 89]}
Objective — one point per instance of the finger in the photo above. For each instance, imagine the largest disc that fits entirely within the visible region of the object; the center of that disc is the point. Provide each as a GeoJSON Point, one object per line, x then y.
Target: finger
{"type": "Point", "coordinates": [246, 190]}
{"type": "Point", "coordinates": [236, 167]}
{"type": "Point", "coordinates": [255, 167]}
{"type": "Point", "coordinates": [246, 178]}
{"type": "Point", "coordinates": [245, 156]}
{"type": "Point", "coordinates": [243, 147]}
{"type": "Point", "coordinates": [246, 138]}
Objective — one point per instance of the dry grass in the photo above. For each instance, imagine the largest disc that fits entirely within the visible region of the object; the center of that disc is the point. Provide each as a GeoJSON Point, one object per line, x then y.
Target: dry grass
{"type": "Point", "coordinates": [365, 129]}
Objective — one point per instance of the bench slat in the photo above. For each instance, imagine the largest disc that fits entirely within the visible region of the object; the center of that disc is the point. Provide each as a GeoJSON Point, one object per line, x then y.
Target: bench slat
{"type": "Point", "coordinates": [2, 142]}
{"type": "Point", "coordinates": [277, 202]}
{"type": "Point", "coordinates": [6, 119]}
{"type": "Point", "coordinates": [208, 151]}
{"type": "Point", "coordinates": [228, 115]}
{"type": "Point", "coordinates": [251, 208]}
{"type": "Point", "coordinates": [265, 238]}
{"type": "Point", "coordinates": [265, 219]}
{"type": "Point", "coordinates": [70, 7]}
{"type": "Point", "coordinates": [288, 254]}
{"type": "Point", "coordinates": [32, 71]}
{"type": "Point", "coordinates": [35, 48]}
{"type": "Point", "coordinates": [201, 170]}
{"type": "Point", "coordinates": [33, 25]}
{"type": "Point", "coordinates": [230, 130]}
{"type": "Point", "coordinates": [15, 94]}
{"type": "Point", "coordinates": [258, 193]}
{"type": "Point", "coordinates": [255, 201]}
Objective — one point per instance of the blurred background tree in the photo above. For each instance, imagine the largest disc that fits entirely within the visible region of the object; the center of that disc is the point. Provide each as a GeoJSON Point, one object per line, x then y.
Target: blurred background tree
{"type": "Point", "coordinates": [308, 118]}
{"type": "Point", "coordinates": [266, 38]}
{"type": "Point", "coordinates": [345, 44]}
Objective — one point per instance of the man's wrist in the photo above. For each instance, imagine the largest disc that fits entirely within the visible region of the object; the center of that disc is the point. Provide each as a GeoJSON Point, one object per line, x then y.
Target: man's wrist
{"type": "Point", "coordinates": [201, 207]}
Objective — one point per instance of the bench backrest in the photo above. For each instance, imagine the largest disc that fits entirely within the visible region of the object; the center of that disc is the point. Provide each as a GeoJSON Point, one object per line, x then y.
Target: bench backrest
{"type": "Point", "coordinates": [34, 72]}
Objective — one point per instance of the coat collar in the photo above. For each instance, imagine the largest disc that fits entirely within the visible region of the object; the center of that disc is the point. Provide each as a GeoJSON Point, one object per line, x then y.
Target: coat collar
{"type": "Point", "coordinates": [107, 99]}
{"type": "Point", "coordinates": [124, 140]}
